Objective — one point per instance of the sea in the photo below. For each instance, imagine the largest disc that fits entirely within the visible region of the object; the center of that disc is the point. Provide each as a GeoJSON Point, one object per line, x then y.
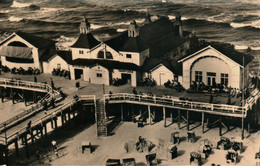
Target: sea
{"type": "Point", "coordinates": [230, 21]}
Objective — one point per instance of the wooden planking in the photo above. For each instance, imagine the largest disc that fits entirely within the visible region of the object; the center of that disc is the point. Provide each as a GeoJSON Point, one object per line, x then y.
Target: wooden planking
{"type": "Point", "coordinates": [176, 107]}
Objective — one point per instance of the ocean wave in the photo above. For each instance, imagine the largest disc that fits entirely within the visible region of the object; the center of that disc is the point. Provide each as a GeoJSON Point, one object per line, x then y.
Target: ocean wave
{"type": "Point", "coordinates": [19, 4]}
{"type": "Point", "coordinates": [241, 47]}
{"type": "Point", "coordinates": [255, 48]}
{"type": "Point", "coordinates": [63, 42]}
{"type": "Point", "coordinates": [15, 19]}
{"type": "Point", "coordinates": [95, 26]}
{"type": "Point", "coordinates": [182, 17]}
{"type": "Point", "coordinates": [121, 30]}
{"type": "Point", "coordinates": [255, 24]}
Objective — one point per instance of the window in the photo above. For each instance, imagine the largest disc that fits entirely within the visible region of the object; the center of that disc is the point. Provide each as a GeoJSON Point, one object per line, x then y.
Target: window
{"type": "Point", "coordinates": [175, 77]}
{"type": "Point", "coordinates": [100, 54]}
{"type": "Point", "coordinates": [129, 56]}
{"type": "Point", "coordinates": [224, 79]}
{"type": "Point", "coordinates": [58, 66]}
{"type": "Point", "coordinates": [99, 74]}
{"type": "Point", "coordinates": [211, 74]}
{"type": "Point", "coordinates": [81, 52]}
{"type": "Point", "coordinates": [149, 75]}
{"type": "Point", "coordinates": [109, 55]}
{"type": "Point", "coordinates": [198, 76]}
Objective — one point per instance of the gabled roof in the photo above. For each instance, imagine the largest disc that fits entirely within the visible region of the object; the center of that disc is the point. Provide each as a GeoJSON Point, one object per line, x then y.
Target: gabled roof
{"type": "Point", "coordinates": [117, 40]}
{"type": "Point", "coordinates": [87, 41]}
{"type": "Point", "coordinates": [109, 64]}
{"type": "Point", "coordinates": [65, 55]}
{"type": "Point", "coordinates": [159, 35]}
{"type": "Point", "coordinates": [225, 49]}
{"type": "Point", "coordinates": [152, 64]}
{"type": "Point", "coordinates": [36, 41]}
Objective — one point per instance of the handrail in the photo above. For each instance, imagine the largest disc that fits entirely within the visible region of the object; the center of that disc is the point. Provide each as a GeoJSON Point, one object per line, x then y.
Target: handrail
{"type": "Point", "coordinates": [51, 115]}
{"type": "Point", "coordinates": [173, 101]}
{"type": "Point", "coordinates": [51, 94]}
{"type": "Point", "coordinates": [22, 83]}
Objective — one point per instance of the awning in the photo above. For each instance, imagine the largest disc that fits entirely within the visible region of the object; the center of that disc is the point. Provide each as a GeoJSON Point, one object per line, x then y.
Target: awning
{"type": "Point", "coordinates": [16, 52]}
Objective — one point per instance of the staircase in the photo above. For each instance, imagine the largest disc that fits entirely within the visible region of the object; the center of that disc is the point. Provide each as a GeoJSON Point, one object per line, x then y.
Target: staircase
{"type": "Point", "coordinates": [101, 118]}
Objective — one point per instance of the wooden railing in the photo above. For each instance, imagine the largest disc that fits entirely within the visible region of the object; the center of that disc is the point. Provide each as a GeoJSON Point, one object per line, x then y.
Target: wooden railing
{"type": "Point", "coordinates": [27, 84]}
{"type": "Point", "coordinates": [51, 95]}
{"type": "Point", "coordinates": [48, 116]}
{"type": "Point", "coordinates": [174, 101]}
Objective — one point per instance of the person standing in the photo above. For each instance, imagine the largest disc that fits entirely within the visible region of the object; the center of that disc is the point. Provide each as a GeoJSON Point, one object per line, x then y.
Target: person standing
{"type": "Point", "coordinates": [35, 79]}
{"type": "Point", "coordinates": [52, 84]}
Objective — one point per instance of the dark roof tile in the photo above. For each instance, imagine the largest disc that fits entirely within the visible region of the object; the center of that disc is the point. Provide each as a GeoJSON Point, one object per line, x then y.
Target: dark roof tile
{"type": "Point", "coordinates": [36, 41]}
{"type": "Point", "coordinates": [86, 41]}
{"type": "Point", "coordinates": [109, 64]}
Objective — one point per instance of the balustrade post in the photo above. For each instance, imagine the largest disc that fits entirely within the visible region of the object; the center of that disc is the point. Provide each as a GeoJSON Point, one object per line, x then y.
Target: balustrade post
{"type": "Point", "coordinates": [164, 116]}
{"type": "Point", "coordinates": [122, 112]}
{"type": "Point", "coordinates": [188, 121]}
{"type": "Point", "coordinates": [242, 134]}
{"type": "Point", "coordinates": [202, 121]}
{"type": "Point", "coordinates": [16, 147]}
{"type": "Point", "coordinates": [149, 114]}
{"type": "Point", "coordinates": [220, 125]}
{"type": "Point", "coordinates": [179, 118]}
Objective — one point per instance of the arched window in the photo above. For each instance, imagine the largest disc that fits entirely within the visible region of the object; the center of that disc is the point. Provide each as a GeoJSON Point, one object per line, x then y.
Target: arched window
{"type": "Point", "coordinates": [109, 55]}
{"type": "Point", "coordinates": [17, 44]}
{"type": "Point", "coordinates": [101, 54]}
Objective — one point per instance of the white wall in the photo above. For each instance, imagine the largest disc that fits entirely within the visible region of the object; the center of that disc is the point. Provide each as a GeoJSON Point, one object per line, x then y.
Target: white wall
{"type": "Point", "coordinates": [76, 55]}
{"type": "Point", "coordinates": [17, 65]}
{"type": "Point", "coordinates": [117, 73]}
{"type": "Point", "coordinates": [90, 74]}
{"type": "Point", "coordinates": [49, 66]}
{"type": "Point", "coordinates": [162, 75]}
{"type": "Point", "coordinates": [211, 64]}
{"type": "Point", "coordinates": [35, 55]}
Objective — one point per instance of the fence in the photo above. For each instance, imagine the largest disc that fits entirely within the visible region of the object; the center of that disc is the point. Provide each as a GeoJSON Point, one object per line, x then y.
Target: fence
{"type": "Point", "coordinates": [174, 101]}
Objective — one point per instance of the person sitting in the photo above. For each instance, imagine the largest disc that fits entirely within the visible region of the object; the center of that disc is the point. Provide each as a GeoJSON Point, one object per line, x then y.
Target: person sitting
{"type": "Point", "coordinates": [134, 91]}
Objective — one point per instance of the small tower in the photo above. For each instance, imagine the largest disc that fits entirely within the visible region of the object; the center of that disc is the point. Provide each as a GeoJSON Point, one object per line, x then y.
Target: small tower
{"type": "Point", "coordinates": [178, 25]}
{"type": "Point", "coordinates": [147, 19]}
{"type": "Point", "coordinates": [133, 29]}
{"type": "Point", "coordinates": [84, 26]}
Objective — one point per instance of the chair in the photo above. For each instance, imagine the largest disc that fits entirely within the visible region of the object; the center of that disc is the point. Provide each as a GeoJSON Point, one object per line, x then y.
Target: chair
{"type": "Point", "coordinates": [175, 138]}
{"type": "Point", "coordinates": [129, 162]}
{"type": "Point", "coordinates": [151, 159]}
{"type": "Point", "coordinates": [86, 144]}
{"type": "Point", "coordinates": [191, 136]}
{"type": "Point", "coordinates": [172, 152]}
{"type": "Point", "coordinates": [195, 158]}
{"type": "Point", "coordinates": [112, 162]}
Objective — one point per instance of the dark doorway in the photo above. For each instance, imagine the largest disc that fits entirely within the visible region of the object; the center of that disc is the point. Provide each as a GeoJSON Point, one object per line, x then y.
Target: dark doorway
{"type": "Point", "coordinates": [78, 73]}
{"type": "Point", "coordinates": [126, 78]}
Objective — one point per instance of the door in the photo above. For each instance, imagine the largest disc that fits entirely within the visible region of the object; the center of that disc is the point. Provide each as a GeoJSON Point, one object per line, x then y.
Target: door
{"type": "Point", "coordinates": [126, 78]}
{"type": "Point", "coordinates": [163, 78]}
{"type": "Point", "coordinates": [211, 78]}
{"type": "Point", "coordinates": [78, 73]}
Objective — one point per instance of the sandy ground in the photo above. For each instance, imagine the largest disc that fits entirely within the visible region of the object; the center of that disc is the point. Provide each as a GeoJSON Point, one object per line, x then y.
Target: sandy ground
{"type": "Point", "coordinates": [69, 141]}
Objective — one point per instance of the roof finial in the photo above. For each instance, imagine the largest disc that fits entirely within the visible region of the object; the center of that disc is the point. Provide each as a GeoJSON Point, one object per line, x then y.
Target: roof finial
{"type": "Point", "coordinates": [147, 19]}
{"type": "Point", "coordinates": [84, 26]}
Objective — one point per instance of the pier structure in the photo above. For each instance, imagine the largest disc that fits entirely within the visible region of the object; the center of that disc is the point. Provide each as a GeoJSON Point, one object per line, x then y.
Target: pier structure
{"type": "Point", "coordinates": [43, 96]}
{"type": "Point", "coordinates": [36, 128]}
{"type": "Point", "coordinates": [177, 110]}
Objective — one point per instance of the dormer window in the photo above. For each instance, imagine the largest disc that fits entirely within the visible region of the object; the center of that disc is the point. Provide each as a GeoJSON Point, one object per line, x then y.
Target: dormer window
{"type": "Point", "coordinates": [129, 56]}
{"type": "Point", "coordinates": [81, 52]}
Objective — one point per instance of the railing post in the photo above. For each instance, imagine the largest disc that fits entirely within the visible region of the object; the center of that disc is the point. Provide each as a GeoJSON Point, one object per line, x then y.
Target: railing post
{"type": "Point", "coordinates": [212, 107]}
{"type": "Point", "coordinates": [154, 98]}
{"type": "Point", "coordinates": [139, 98]}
